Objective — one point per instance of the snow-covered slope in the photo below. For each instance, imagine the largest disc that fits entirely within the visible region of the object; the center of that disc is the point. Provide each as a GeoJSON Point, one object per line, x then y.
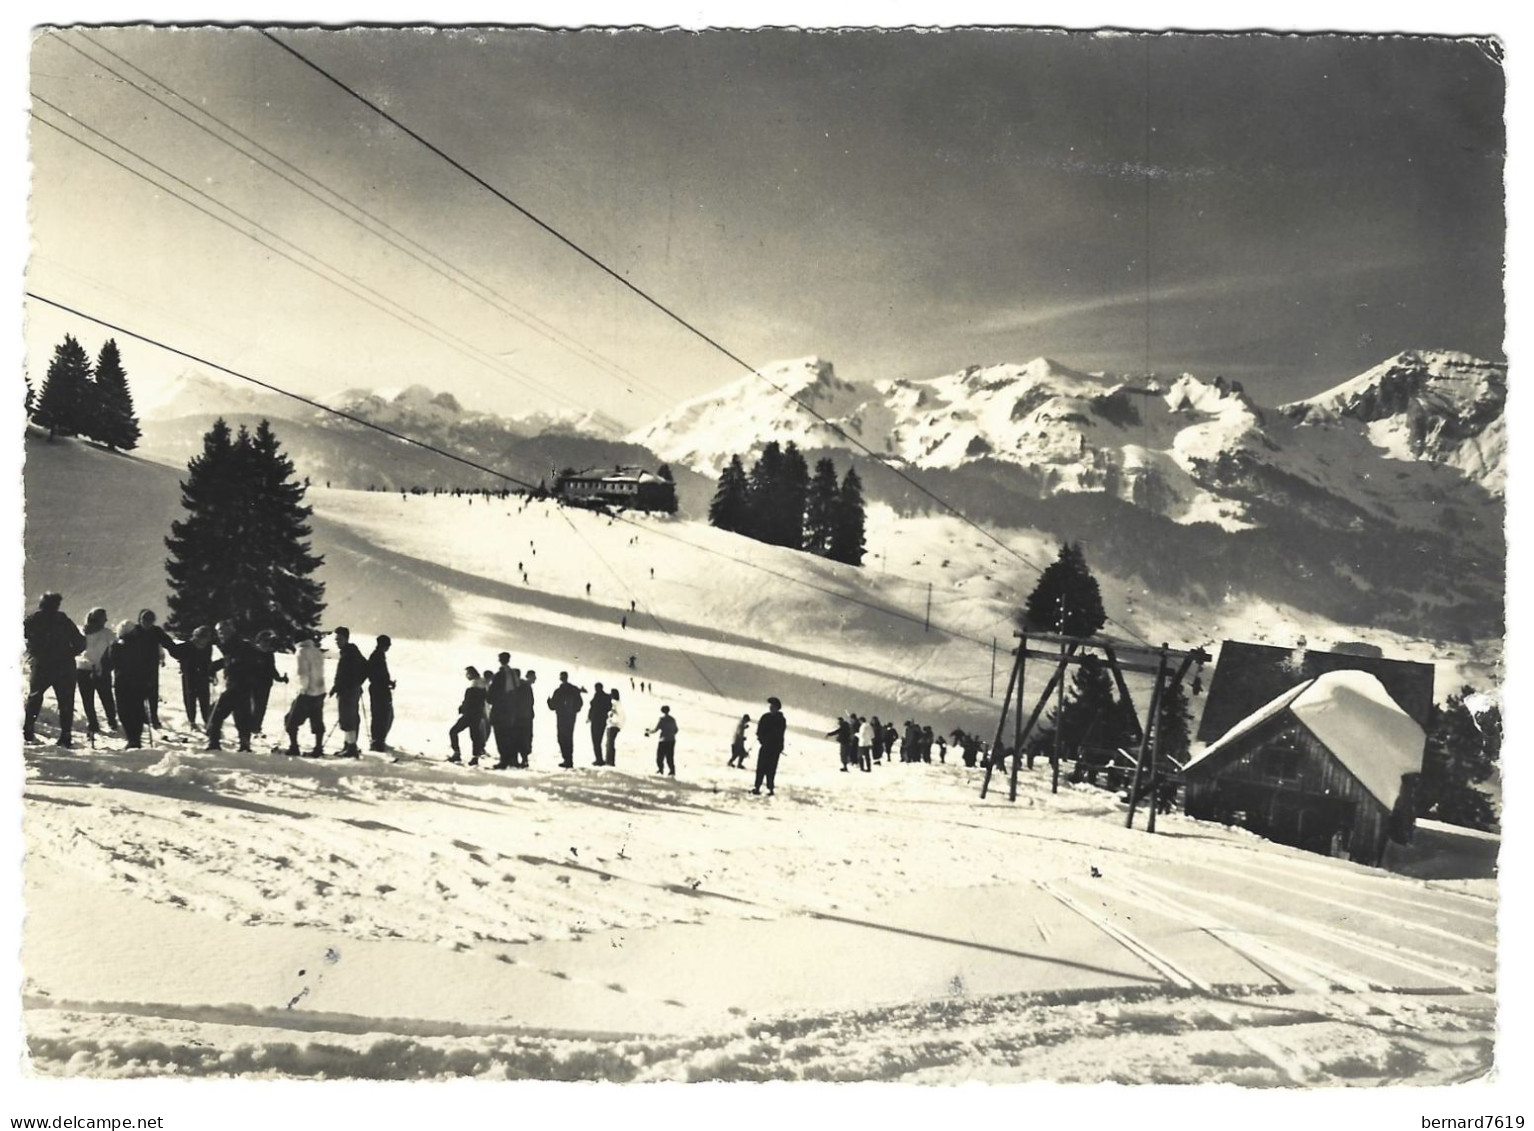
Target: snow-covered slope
{"type": "Point", "coordinates": [417, 920]}
{"type": "Point", "coordinates": [1433, 405]}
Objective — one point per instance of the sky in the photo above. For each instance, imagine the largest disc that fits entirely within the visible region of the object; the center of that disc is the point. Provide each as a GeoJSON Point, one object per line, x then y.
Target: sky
{"type": "Point", "coordinates": [1287, 211]}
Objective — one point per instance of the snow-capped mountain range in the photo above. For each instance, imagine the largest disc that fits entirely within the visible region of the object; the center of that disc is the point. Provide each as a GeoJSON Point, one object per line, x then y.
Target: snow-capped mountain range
{"type": "Point", "coordinates": [1185, 447]}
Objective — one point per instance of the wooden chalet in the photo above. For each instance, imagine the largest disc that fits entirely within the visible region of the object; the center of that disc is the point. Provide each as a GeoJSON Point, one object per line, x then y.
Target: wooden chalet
{"type": "Point", "coordinates": [1329, 765]}
{"type": "Point", "coordinates": [632, 487]}
{"type": "Point", "coordinates": [1247, 676]}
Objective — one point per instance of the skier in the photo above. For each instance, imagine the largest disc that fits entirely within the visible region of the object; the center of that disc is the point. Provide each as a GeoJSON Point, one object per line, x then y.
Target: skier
{"type": "Point", "coordinates": [665, 749]}
{"type": "Point", "coordinates": [566, 704]}
{"type": "Point", "coordinates": [770, 729]}
{"type": "Point", "coordinates": [147, 620]}
{"type": "Point", "coordinates": [738, 744]}
{"type": "Point", "coordinates": [52, 642]}
{"type": "Point", "coordinates": [498, 698]}
{"type": "Point", "coordinates": [596, 718]}
{"type": "Point", "coordinates": [380, 695]}
{"type": "Point", "coordinates": [925, 744]}
{"type": "Point", "coordinates": [615, 720]}
{"type": "Point", "coordinates": [523, 707]}
{"type": "Point", "coordinates": [240, 663]}
{"type": "Point", "coordinates": [842, 732]}
{"type": "Point", "coordinates": [195, 655]}
{"type": "Point", "coordinates": [351, 673]}
{"type": "Point", "coordinates": [309, 703]}
{"type": "Point", "coordinates": [942, 750]}
{"type": "Point", "coordinates": [91, 674]}
{"type": "Point", "coordinates": [878, 739]}
{"type": "Point", "coordinates": [865, 746]}
{"type": "Point", "coordinates": [471, 718]}
{"type": "Point", "coordinates": [266, 674]}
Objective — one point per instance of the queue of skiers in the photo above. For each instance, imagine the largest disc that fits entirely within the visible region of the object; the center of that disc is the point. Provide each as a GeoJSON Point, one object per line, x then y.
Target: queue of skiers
{"type": "Point", "coordinates": [864, 742]}
{"type": "Point", "coordinates": [119, 671]}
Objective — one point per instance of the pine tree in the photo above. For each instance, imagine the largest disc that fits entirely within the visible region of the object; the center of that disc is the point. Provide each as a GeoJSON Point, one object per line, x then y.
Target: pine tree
{"type": "Point", "coordinates": [847, 535]}
{"type": "Point", "coordinates": [1066, 599]}
{"type": "Point", "coordinates": [820, 508]}
{"type": "Point", "coordinates": [1462, 752]}
{"type": "Point", "coordinates": [793, 490]}
{"type": "Point", "coordinates": [1092, 715]}
{"type": "Point", "coordinates": [31, 397]}
{"type": "Point", "coordinates": [765, 494]}
{"type": "Point", "coordinates": [728, 511]}
{"type": "Point", "coordinates": [62, 404]}
{"type": "Point", "coordinates": [241, 553]}
{"type": "Point", "coordinates": [1175, 725]}
{"type": "Point", "coordinates": [113, 421]}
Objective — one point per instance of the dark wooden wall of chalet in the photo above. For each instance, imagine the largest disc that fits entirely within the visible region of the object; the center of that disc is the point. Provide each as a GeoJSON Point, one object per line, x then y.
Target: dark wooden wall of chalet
{"type": "Point", "coordinates": [1320, 773]}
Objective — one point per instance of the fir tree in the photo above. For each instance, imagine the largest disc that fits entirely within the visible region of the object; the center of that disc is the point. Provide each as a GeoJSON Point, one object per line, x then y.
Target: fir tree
{"type": "Point", "coordinates": [765, 494]}
{"type": "Point", "coordinates": [1066, 599]}
{"type": "Point", "coordinates": [793, 490]}
{"type": "Point", "coordinates": [63, 402]}
{"type": "Point", "coordinates": [728, 511]}
{"type": "Point", "coordinates": [30, 396]}
{"type": "Point", "coordinates": [1175, 726]}
{"type": "Point", "coordinates": [1462, 752]}
{"type": "Point", "coordinates": [820, 508]}
{"type": "Point", "coordinates": [114, 423]}
{"type": "Point", "coordinates": [1092, 716]}
{"type": "Point", "coordinates": [242, 552]}
{"type": "Point", "coordinates": [847, 535]}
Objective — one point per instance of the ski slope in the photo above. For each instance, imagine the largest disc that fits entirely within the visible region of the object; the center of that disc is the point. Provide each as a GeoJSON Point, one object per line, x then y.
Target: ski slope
{"type": "Point", "coordinates": [403, 918]}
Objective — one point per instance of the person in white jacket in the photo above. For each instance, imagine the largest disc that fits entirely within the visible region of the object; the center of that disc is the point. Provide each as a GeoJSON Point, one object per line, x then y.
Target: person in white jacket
{"type": "Point", "coordinates": [615, 721]}
{"type": "Point", "coordinates": [92, 674]}
{"type": "Point", "coordinates": [309, 704]}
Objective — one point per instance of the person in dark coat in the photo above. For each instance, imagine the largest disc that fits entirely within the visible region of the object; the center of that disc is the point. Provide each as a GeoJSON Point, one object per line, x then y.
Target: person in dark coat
{"type": "Point", "coordinates": [770, 729]}
{"type": "Point", "coordinates": [380, 695]}
{"type": "Point", "coordinates": [738, 743]}
{"type": "Point", "coordinates": [135, 664]}
{"type": "Point", "coordinates": [471, 718]}
{"type": "Point", "coordinates": [842, 732]}
{"type": "Point", "coordinates": [266, 675]}
{"type": "Point", "coordinates": [149, 622]}
{"type": "Point", "coordinates": [566, 704]}
{"type": "Point", "coordinates": [523, 708]}
{"type": "Point", "coordinates": [52, 642]}
{"type": "Point", "coordinates": [195, 655]}
{"type": "Point", "coordinates": [665, 749]}
{"type": "Point", "coordinates": [498, 696]}
{"type": "Point", "coordinates": [241, 663]}
{"type": "Point", "coordinates": [596, 715]}
{"type": "Point", "coordinates": [351, 674]}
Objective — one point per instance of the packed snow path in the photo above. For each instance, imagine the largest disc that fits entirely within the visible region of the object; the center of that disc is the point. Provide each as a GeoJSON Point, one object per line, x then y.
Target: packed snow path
{"type": "Point", "coordinates": [253, 902]}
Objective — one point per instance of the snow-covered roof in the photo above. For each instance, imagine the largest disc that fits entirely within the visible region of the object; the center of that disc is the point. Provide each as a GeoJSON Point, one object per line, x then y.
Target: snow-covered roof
{"type": "Point", "coordinates": [1354, 717]}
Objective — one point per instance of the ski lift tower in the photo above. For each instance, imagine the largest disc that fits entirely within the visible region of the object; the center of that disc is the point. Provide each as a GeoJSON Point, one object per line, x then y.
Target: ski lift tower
{"type": "Point", "coordinates": [1168, 665]}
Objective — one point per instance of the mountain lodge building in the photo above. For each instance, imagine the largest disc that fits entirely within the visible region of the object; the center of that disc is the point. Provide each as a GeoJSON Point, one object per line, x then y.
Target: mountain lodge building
{"type": "Point", "coordinates": [632, 487]}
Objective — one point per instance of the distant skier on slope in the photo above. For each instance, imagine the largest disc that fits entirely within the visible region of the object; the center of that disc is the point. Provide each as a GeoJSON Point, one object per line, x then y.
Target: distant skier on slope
{"type": "Point", "coordinates": [596, 718]}
{"type": "Point", "coordinates": [351, 673]}
{"type": "Point", "coordinates": [380, 695]}
{"type": "Point", "coordinates": [770, 729]}
{"type": "Point", "coordinates": [52, 642]}
{"type": "Point", "coordinates": [665, 749]}
{"type": "Point", "coordinates": [309, 704]}
{"type": "Point", "coordinates": [566, 702]}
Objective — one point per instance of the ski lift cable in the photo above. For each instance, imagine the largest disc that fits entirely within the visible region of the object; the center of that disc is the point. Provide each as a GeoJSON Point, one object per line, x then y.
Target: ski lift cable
{"type": "Point", "coordinates": [652, 301]}
{"type": "Point", "coordinates": [884, 610]}
{"type": "Point", "coordinates": [390, 234]}
{"type": "Point", "coordinates": [399, 313]}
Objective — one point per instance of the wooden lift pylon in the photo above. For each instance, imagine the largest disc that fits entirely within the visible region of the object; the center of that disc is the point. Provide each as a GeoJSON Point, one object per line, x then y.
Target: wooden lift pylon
{"type": "Point", "coordinates": [1142, 659]}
